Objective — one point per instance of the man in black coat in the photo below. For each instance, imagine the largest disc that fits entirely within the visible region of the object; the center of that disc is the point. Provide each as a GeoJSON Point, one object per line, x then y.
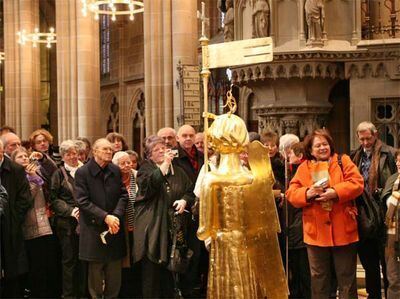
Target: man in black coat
{"type": "Point", "coordinates": [189, 158]}
{"type": "Point", "coordinates": [14, 258]}
{"type": "Point", "coordinates": [102, 199]}
{"type": "Point", "coordinates": [191, 161]}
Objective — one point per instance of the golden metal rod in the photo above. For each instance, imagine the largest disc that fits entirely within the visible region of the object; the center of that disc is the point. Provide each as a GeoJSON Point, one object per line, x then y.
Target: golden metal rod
{"type": "Point", "coordinates": [205, 73]}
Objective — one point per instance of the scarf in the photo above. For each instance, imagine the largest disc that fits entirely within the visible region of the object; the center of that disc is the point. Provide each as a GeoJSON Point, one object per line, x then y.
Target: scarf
{"type": "Point", "coordinates": [130, 183]}
{"type": "Point", "coordinates": [35, 179]}
{"type": "Point", "coordinates": [373, 172]}
{"type": "Point", "coordinates": [193, 158]}
{"type": "Point", "coordinates": [72, 170]}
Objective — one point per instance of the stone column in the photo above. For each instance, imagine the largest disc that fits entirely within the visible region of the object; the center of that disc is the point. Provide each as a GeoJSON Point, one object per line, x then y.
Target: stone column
{"type": "Point", "coordinates": [22, 67]}
{"type": "Point", "coordinates": [356, 34]}
{"type": "Point", "coordinates": [158, 65]}
{"type": "Point", "coordinates": [78, 72]}
{"type": "Point", "coordinates": [184, 44]}
{"type": "Point", "coordinates": [302, 34]}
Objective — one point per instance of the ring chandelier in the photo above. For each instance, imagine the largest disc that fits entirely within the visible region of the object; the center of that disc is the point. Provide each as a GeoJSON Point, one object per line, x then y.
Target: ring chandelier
{"type": "Point", "coordinates": [37, 37]}
{"type": "Point", "coordinates": [112, 8]}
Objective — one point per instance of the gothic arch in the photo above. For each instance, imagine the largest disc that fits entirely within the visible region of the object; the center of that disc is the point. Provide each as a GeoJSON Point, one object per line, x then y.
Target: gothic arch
{"type": "Point", "coordinates": [136, 120]}
{"type": "Point", "coordinates": [367, 71]}
{"type": "Point", "coordinates": [381, 71]}
{"type": "Point", "coordinates": [106, 113]}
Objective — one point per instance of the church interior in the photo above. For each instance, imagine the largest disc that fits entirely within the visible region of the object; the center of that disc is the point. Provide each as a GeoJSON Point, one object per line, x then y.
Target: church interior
{"type": "Point", "coordinates": [77, 71]}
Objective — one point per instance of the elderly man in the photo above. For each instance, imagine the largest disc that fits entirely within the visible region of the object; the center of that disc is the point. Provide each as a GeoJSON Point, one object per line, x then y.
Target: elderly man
{"type": "Point", "coordinates": [169, 136]}
{"type": "Point", "coordinates": [190, 159]}
{"type": "Point", "coordinates": [101, 198]}
{"type": "Point", "coordinates": [376, 163]}
{"type": "Point", "coordinates": [15, 263]}
{"type": "Point", "coordinates": [11, 142]}
{"type": "Point", "coordinates": [199, 141]}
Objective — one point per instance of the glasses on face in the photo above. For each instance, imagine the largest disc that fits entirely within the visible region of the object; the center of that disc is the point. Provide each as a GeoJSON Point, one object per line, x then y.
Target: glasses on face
{"type": "Point", "coordinates": [366, 139]}
{"type": "Point", "coordinates": [158, 149]}
{"type": "Point", "coordinates": [125, 163]}
{"type": "Point", "coordinates": [319, 145]}
{"type": "Point", "coordinates": [105, 149]}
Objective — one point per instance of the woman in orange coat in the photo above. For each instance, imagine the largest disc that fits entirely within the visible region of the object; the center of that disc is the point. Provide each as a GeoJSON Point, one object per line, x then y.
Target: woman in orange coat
{"type": "Point", "coordinates": [326, 191]}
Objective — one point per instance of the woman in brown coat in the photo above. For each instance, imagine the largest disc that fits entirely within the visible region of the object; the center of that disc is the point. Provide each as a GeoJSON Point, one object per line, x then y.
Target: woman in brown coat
{"type": "Point", "coordinates": [326, 191]}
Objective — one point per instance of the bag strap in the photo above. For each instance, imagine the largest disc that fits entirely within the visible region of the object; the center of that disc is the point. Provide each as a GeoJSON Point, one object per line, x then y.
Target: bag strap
{"type": "Point", "coordinates": [339, 160]}
{"type": "Point", "coordinates": [67, 181]}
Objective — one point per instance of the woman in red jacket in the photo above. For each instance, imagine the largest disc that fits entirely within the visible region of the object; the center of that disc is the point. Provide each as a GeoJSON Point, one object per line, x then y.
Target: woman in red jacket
{"type": "Point", "coordinates": [326, 191]}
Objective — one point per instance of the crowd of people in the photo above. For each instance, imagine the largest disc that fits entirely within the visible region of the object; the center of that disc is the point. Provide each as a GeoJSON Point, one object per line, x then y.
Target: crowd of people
{"type": "Point", "coordinates": [97, 220]}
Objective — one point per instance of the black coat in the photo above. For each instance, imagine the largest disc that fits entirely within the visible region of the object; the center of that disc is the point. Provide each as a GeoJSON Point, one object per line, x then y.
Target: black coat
{"type": "Point", "coordinates": [153, 206]}
{"type": "Point", "coordinates": [183, 162]}
{"type": "Point", "coordinates": [100, 192]}
{"type": "Point", "coordinates": [14, 180]}
{"type": "Point", "coordinates": [3, 203]}
{"type": "Point", "coordinates": [63, 201]}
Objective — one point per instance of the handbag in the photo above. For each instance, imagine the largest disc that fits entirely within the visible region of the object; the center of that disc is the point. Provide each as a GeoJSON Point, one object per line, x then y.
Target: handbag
{"type": "Point", "coordinates": [370, 216]}
{"type": "Point", "coordinates": [180, 254]}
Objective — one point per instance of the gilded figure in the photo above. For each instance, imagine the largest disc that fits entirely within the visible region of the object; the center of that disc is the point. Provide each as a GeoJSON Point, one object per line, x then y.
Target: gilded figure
{"type": "Point", "coordinates": [238, 213]}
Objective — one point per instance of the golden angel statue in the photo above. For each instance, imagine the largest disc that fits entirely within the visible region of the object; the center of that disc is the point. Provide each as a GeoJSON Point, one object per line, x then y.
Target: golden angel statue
{"type": "Point", "coordinates": [238, 213]}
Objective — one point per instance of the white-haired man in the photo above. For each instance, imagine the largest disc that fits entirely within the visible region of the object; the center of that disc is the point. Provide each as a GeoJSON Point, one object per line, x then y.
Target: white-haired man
{"type": "Point", "coordinates": [11, 142]}
{"type": "Point", "coordinates": [376, 163]}
{"type": "Point", "coordinates": [102, 199]}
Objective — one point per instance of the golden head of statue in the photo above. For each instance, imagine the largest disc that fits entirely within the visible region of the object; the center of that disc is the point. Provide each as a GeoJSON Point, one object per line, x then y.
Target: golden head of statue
{"type": "Point", "coordinates": [228, 134]}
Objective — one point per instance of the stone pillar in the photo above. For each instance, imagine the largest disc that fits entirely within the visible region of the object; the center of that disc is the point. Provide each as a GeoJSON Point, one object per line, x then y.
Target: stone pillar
{"type": "Point", "coordinates": [302, 34]}
{"type": "Point", "coordinates": [184, 44]}
{"type": "Point", "coordinates": [78, 72]}
{"type": "Point", "coordinates": [356, 34]}
{"type": "Point", "coordinates": [22, 67]}
{"type": "Point", "coordinates": [158, 65]}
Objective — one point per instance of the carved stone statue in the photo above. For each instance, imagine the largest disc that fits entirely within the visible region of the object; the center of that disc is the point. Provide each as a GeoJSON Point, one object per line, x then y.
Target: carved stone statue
{"type": "Point", "coordinates": [238, 213]}
{"type": "Point", "coordinates": [229, 21]}
{"type": "Point", "coordinates": [261, 18]}
{"type": "Point", "coordinates": [315, 17]}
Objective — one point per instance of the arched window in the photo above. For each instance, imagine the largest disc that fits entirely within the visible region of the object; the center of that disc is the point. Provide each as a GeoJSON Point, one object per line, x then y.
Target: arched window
{"type": "Point", "coordinates": [113, 116]}
{"type": "Point", "coordinates": [386, 117]}
{"type": "Point", "coordinates": [105, 45]}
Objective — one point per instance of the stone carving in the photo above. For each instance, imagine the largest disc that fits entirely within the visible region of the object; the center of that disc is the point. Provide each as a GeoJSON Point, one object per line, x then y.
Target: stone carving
{"type": "Point", "coordinates": [287, 70]}
{"type": "Point", "coordinates": [229, 21]}
{"type": "Point", "coordinates": [261, 14]}
{"type": "Point", "coordinates": [374, 69]}
{"type": "Point", "coordinates": [315, 17]}
{"type": "Point", "coordinates": [295, 120]}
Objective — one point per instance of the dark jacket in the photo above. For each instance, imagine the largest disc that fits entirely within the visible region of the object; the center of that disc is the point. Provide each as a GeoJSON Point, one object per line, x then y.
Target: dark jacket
{"type": "Point", "coordinates": [152, 209]}
{"type": "Point", "coordinates": [62, 201]}
{"type": "Point", "coordinates": [183, 162]}
{"type": "Point", "coordinates": [14, 180]}
{"type": "Point", "coordinates": [295, 221]}
{"type": "Point", "coordinates": [3, 203]}
{"type": "Point", "coordinates": [385, 168]}
{"type": "Point", "coordinates": [100, 192]}
{"type": "Point", "coordinates": [387, 190]}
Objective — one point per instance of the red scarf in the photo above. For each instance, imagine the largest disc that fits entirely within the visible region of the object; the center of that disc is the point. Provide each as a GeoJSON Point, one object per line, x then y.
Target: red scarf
{"type": "Point", "coordinates": [193, 158]}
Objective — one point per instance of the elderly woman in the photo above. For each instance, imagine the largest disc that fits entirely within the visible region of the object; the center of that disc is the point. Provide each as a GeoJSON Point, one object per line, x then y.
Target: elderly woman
{"type": "Point", "coordinates": [39, 240]}
{"type": "Point", "coordinates": [67, 214]}
{"type": "Point", "coordinates": [118, 141]}
{"type": "Point", "coordinates": [391, 196]}
{"type": "Point", "coordinates": [164, 190]}
{"type": "Point", "coordinates": [128, 174]}
{"type": "Point", "coordinates": [325, 187]}
{"type": "Point", "coordinates": [134, 158]}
